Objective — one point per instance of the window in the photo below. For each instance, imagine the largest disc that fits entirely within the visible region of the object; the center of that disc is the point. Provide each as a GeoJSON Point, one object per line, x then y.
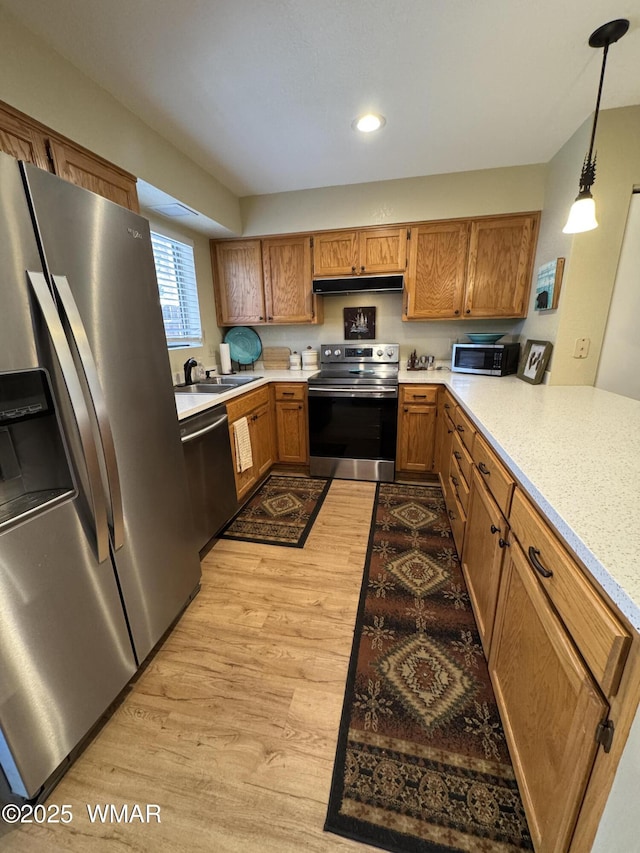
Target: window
{"type": "Point", "coordinates": [176, 275]}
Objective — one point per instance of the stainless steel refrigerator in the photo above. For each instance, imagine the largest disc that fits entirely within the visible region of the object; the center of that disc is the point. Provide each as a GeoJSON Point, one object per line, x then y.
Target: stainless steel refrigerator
{"type": "Point", "coordinates": [97, 556]}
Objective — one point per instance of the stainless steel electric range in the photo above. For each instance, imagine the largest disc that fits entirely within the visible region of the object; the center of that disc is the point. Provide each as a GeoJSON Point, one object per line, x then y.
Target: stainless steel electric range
{"type": "Point", "coordinates": [353, 412]}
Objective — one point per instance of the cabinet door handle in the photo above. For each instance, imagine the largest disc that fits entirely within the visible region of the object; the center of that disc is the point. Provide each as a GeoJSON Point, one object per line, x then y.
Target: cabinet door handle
{"type": "Point", "coordinates": [449, 431]}
{"type": "Point", "coordinates": [455, 482]}
{"type": "Point", "coordinates": [447, 406]}
{"type": "Point", "coordinates": [419, 396]}
{"type": "Point", "coordinates": [502, 543]}
{"type": "Point", "coordinates": [457, 454]}
{"type": "Point", "coordinates": [287, 393]}
{"type": "Point", "coordinates": [483, 469]}
{"type": "Point", "coordinates": [495, 529]}
{"type": "Point", "coordinates": [459, 428]}
{"type": "Point", "coordinates": [534, 553]}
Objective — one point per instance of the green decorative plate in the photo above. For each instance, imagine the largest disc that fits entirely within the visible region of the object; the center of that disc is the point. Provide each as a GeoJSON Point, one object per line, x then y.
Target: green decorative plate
{"type": "Point", "coordinates": [245, 347]}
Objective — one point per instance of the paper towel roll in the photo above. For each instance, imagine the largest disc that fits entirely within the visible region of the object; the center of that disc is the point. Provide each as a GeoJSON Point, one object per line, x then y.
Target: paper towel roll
{"type": "Point", "coordinates": [225, 359]}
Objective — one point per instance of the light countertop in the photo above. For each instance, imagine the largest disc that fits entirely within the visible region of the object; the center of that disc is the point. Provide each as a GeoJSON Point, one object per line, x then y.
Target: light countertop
{"type": "Point", "coordinates": [574, 449]}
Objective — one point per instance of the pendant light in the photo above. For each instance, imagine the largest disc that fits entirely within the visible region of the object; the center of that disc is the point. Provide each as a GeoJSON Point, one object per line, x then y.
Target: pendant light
{"type": "Point", "coordinates": [582, 216]}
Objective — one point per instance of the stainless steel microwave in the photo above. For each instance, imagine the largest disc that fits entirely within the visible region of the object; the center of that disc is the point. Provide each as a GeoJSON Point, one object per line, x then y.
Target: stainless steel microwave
{"type": "Point", "coordinates": [490, 359]}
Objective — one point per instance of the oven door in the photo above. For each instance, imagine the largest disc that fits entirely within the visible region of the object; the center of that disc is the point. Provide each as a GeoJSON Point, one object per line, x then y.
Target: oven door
{"type": "Point", "coordinates": [352, 432]}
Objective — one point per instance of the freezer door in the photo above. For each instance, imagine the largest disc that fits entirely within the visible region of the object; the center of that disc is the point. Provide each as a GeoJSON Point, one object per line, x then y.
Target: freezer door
{"type": "Point", "coordinates": [65, 651]}
{"type": "Point", "coordinates": [102, 252]}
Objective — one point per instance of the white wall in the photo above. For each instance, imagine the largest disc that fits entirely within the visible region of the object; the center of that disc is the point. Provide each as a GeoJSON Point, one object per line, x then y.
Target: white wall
{"type": "Point", "coordinates": [508, 190]}
{"type": "Point", "coordinates": [428, 338]}
{"type": "Point", "coordinates": [594, 255]}
{"type": "Point", "coordinates": [619, 367]}
{"type": "Point", "coordinates": [40, 83]}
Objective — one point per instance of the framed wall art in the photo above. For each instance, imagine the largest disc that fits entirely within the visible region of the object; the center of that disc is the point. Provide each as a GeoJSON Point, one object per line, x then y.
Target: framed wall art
{"type": "Point", "coordinates": [548, 285]}
{"type": "Point", "coordinates": [359, 324]}
{"type": "Point", "coordinates": [534, 361]}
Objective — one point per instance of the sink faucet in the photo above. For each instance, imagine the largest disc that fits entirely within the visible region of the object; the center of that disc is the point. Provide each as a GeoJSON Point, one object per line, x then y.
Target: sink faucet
{"type": "Point", "coordinates": [189, 364]}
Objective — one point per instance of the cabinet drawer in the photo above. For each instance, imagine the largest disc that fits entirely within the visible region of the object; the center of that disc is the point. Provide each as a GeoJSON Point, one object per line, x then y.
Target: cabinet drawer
{"type": "Point", "coordinates": [499, 481]}
{"type": "Point", "coordinates": [462, 457]}
{"type": "Point", "coordinates": [596, 631]}
{"type": "Point", "coordinates": [289, 391]}
{"type": "Point", "coordinates": [426, 394]}
{"type": "Point", "coordinates": [464, 428]}
{"type": "Point", "coordinates": [460, 484]}
{"type": "Point", "coordinates": [238, 407]}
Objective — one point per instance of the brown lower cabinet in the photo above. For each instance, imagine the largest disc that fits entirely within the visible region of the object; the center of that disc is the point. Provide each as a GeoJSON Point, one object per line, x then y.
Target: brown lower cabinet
{"type": "Point", "coordinates": [550, 705]}
{"type": "Point", "coordinates": [291, 422]}
{"type": "Point", "coordinates": [485, 543]}
{"type": "Point", "coordinates": [256, 407]}
{"type": "Point", "coordinates": [416, 429]}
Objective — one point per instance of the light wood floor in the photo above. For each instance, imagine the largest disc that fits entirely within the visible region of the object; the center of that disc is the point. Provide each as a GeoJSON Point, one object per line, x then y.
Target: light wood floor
{"type": "Point", "coordinates": [232, 727]}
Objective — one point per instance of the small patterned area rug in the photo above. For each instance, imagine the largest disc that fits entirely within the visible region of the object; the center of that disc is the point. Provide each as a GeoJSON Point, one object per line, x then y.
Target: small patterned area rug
{"type": "Point", "coordinates": [281, 512]}
{"type": "Point", "coordinates": [422, 762]}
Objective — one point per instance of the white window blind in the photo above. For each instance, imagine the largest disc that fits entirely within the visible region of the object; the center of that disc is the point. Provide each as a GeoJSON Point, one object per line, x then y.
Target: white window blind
{"type": "Point", "coordinates": [176, 275]}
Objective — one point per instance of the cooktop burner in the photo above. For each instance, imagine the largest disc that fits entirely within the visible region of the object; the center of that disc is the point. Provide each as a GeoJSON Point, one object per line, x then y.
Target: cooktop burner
{"type": "Point", "coordinates": [358, 364]}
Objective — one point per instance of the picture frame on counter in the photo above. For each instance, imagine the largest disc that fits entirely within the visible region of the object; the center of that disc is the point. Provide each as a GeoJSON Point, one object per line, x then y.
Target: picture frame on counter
{"type": "Point", "coordinates": [548, 285]}
{"type": "Point", "coordinates": [359, 324]}
{"type": "Point", "coordinates": [533, 363]}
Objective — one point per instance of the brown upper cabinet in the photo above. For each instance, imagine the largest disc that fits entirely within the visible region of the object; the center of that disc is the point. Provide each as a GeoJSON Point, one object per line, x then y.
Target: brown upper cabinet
{"type": "Point", "coordinates": [367, 251]}
{"type": "Point", "coordinates": [471, 268]}
{"type": "Point", "coordinates": [26, 139]}
{"type": "Point", "coordinates": [264, 281]}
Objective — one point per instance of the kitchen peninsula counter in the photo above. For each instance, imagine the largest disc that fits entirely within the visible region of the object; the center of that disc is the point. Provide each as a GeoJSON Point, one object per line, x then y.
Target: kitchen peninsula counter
{"type": "Point", "coordinates": [576, 451]}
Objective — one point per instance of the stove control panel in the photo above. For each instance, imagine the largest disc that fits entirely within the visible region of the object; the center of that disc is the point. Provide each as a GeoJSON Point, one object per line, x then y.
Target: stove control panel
{"type": "Point", "coordinates": [361, 353]}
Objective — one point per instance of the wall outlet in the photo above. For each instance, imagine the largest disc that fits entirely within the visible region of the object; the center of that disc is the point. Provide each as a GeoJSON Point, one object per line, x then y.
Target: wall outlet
{"type": "Point", "coordinates": [581, 349]}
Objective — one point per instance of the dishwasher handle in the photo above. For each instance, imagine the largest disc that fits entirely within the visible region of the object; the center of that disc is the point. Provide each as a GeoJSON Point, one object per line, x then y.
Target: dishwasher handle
{"type": "Point", "coordinates": [223, 419]}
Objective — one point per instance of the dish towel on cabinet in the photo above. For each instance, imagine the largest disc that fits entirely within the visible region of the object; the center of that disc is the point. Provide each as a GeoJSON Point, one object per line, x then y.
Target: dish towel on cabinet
{"type": "Point", "coordinates": [242, 439]}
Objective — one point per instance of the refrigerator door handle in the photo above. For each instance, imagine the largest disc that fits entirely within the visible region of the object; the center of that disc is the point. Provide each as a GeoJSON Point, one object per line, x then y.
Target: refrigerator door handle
{"type": "Point", "coordinates": [61, 346]}
{"type": "Point", "coordinates": [98, 404]}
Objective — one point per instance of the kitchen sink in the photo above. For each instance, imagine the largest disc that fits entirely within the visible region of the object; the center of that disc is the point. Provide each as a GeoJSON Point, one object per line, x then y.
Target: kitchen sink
{"type": "Point", "coordinates": [204, 388]}
{"type": "Point", "coordinates": [215, 385]}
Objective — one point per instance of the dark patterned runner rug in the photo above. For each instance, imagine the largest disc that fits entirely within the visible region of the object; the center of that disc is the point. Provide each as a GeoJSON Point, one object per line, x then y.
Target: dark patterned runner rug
{"type": "Point", "coordinates": [422, 762]}
{"type": "Point", "coordinates": [281, 512]}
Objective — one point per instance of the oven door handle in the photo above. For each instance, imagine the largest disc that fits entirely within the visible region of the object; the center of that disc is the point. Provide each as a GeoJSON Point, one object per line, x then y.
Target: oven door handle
{"type": "Point", "coordinates": [370, 393]}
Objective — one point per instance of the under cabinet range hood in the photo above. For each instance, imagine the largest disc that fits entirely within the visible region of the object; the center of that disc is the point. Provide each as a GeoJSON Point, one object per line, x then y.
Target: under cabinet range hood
{"type": "Point", "coordinates": [358, 284]}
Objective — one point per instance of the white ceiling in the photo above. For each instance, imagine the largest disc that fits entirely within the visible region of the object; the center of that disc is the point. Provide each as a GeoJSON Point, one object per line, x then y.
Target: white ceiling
{"type": "Point", "coordinates": [262, 93]}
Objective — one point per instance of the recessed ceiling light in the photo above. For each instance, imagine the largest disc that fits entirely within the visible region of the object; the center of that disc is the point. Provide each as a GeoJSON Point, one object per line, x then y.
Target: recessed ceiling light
{"type": "Point", "coordinates": [368, 122]}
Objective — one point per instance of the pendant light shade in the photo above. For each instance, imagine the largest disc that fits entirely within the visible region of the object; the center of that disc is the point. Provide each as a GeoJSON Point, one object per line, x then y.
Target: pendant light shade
{"type": "Point", "coordinates": [582, 216]}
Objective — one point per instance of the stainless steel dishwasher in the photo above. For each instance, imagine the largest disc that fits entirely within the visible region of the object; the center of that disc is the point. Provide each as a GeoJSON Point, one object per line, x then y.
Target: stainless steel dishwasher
{"type": "Point", "coordinates": [212, 487]}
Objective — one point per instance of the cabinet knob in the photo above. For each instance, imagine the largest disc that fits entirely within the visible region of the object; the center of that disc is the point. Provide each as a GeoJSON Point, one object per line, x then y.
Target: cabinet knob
{"type": "Point", "coordinates": [457, 454]}
{"type": "Point", "coordinates": [483, 469]}
{"type": "Point", "coordinates": [405, 409]}
{"type": "Point", "coordinates": [353, 269]}
{"type": "Point", "coordinates": [459, 428]}
{"type": "Point", "coordinates": [456, 311]}
{"type": "Point", "coordinates": [261, 317]}
{"type": "Point", "coordinates": [495, 529]}
{"type": "Point", "coordinates": [269, 318]}
{"type": "Point", "coordinates": [502, 543]}
{"type": "Point", "coordinates": [362, 269]}
{"type": "Point", "coordinates": [455, 482]}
